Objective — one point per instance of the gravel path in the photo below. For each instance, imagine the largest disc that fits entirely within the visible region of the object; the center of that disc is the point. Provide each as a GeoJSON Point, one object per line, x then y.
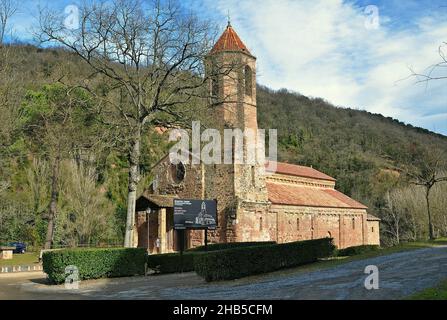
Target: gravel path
{"type": "Point", "coordinates": [400, 274]}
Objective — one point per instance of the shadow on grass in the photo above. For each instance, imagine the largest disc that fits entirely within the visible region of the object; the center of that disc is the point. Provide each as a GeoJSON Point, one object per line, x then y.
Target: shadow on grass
{"type": "Point", "coordinates": [43, 281]}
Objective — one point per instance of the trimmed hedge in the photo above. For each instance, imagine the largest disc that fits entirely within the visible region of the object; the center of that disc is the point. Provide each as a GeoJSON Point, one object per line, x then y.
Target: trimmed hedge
{"type": "Point", "coordinates": [352, 251]}
{"type": "Point", "coordinates": [171, 262]}
{"type": "Point", "coordinates": [230, 245]}
{"type": "Point", "coordinates": [94, 263]}
{"type": "Point", "coordinates": [244, 261]}
{"type": "Point", "coordinates": [174, 262]}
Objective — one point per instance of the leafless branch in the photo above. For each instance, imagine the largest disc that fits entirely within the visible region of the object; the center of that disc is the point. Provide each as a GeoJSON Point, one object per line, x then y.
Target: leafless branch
{"type": "Point", "coordinates": [7, 9]}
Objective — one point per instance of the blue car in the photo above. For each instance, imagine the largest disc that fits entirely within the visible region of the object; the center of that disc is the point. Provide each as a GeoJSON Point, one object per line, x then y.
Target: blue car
{"type": "Point", "coordinates": [20, 247]}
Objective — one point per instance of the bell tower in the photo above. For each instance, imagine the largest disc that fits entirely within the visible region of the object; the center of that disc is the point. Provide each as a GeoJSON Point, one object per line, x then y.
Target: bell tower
{"type": "Point", "coordinates": [231, 74]}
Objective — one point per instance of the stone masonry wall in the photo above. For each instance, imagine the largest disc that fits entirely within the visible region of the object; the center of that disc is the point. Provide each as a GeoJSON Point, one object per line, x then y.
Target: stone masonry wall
{"type": "Point", "coordinates": [291, 223]}
{"type": "Point", "coordinates": [373, 232]}
{"type": "Point", "coordinates": [219, 185]}
{"type": "Point", "coordinates": [190, 188]}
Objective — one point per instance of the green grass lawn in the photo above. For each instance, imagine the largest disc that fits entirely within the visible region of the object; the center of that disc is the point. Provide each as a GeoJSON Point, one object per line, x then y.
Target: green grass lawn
{"type": "Point", "coordinates": [21, 259]}
{"type": "Point", "coordinates": [437, 293]}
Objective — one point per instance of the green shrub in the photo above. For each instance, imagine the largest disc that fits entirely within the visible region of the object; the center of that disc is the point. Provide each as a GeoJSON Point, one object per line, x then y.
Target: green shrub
{"type": "Point", "coordinates": [174, 262]}
{"type": "Point", "coordinates": [352, 251]}
{"type": "Point", "coordinates": [171, 262]}
{"type": "Point", "coordinates": [94, 263]}
{"type": "Point", "coordinates": [230, 245]}
{"type": "Point", "coordinates": [239, 262]}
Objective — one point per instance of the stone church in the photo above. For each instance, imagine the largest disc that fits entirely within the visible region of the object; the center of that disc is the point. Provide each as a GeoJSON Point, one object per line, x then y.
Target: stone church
{"type": "Point", "coordinates": [293, 203]}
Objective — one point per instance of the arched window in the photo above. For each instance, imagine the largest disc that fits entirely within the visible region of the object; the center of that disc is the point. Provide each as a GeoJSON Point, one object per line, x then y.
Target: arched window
{"type": "Point", "coordinates": [260, 223]}
{"type": "Point", "coordinates": [253, 176]}
{"type": "Point", "coordinates": [248, 81]}
{"type": "Point", "coordinates": [353, 223]}
{"type": "Point", "coordinates": [177, 172]}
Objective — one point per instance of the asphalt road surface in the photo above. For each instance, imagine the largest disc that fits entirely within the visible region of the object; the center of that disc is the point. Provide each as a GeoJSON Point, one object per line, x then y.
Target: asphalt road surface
{"type": "Point", "coordinates": [400, 274]}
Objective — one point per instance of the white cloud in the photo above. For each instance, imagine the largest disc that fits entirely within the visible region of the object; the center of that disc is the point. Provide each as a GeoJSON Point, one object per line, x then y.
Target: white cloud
{"type": "Point", "coordinates": [321, 48]}
{"type": "Point", "coordinates": [24, 21]}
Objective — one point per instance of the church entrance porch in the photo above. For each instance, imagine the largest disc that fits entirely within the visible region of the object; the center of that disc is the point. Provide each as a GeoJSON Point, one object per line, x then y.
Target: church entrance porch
{"type": "Point", "coordinates": [155, 224]}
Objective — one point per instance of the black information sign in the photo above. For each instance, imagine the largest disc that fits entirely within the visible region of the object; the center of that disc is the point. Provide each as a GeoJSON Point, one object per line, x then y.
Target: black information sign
{"type": "Point", "coordinates": [195, 214]}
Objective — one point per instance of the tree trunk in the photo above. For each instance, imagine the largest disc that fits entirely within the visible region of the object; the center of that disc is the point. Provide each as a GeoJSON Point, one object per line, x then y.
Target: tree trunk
{"type": "Point", "coordinates": [52, 211]}
{"type": "Point", "coordinates": [134, 178]}
{"type": "Point", "coordinates": [430, 224]}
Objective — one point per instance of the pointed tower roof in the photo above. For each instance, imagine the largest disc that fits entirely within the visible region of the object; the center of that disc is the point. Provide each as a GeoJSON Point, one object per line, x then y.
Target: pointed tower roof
{"type": "Point", "coordinates": [229, 41]}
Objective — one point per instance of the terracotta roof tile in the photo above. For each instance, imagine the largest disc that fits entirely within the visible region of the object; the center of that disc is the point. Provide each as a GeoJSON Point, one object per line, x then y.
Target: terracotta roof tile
{"type": "Point", "coordinates": [162, 201]}
{"type": "Point", "coordinates": [229, 41]}
{"type": "Point", "coordinates": [300, 171]}
{"type": "Point", "coordinates": [312, 197]}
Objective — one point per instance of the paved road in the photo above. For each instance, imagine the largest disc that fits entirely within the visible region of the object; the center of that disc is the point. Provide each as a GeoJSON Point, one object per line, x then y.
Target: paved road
{"type": "Point", "coordinates": [400, 274]}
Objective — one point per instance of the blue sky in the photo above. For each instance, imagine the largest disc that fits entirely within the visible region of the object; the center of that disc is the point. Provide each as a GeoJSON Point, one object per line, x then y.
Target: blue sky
{"type": "Point", "coordinates": [330, 49]}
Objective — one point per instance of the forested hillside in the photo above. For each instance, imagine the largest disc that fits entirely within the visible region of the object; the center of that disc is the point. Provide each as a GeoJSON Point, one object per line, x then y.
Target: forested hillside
{"type": "Point", "coordinates": [93, 182]}
{"type": "Point", "coordinates": [368, 154]}
{"type": "Point", "coordinates": [351, 145]}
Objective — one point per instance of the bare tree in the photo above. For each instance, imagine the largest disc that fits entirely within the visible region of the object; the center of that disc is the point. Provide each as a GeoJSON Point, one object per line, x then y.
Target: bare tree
{"type": "Point", "coordinates": [38, 184]}
{"type": "Point", "coordinates": [55, 121]}
{"type": "Point", "coordinates": [10, 95]}
{"type": "Point", "coordinates": [7, 9]}
{"type": "Point", "coordinates": [439, 206]}
{"type": "Point", "coordinates": [150, 57]}
{"type": "Point", "coordinates": [400, 213]}
{"type": "Point", "coordinates": [392, 219]}
{"type": "Point", "coordinates": [427, 171]}
{"type": "Point", "coordinates": [436, 71]}
{"type": "Point", "coordinates": [87, 215]}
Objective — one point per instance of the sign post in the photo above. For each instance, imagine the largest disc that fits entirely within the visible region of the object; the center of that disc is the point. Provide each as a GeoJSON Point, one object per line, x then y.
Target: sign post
{"type": "Point", "coordinates": [182, 246]}
{"type": "Point", "coordinates": [195, 214]}
{"type": "Point", "coordinates": [192, 214]}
